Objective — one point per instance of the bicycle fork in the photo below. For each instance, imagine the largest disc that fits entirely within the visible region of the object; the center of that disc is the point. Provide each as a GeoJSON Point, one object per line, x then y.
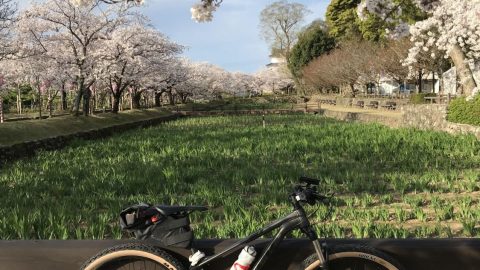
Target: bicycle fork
{"type": "Point", "coordinates": [312, 235]}
{"type": "Point", "coordinates": [321, 256]}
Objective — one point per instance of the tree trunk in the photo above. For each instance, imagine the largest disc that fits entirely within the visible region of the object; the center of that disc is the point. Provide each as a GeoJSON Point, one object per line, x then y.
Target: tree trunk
{"type": "Point", "coordinates": [171, 98]}
{"type": "Point", "coordinates": [121, 102]}
{"type": "Point", "coordinates": [158, 99]}
{"type": "Point", "coordinates": [352, 90]}
{"type": "Point", "coordinates": [19, 99]}
{"type": "Point", "coordinates": [464, 72]}
{"type": "Point", "coordinates": [116, 102]}
{"type": "Point", "coordinates": [86, 101]}
{"type": "Point", "coordinates": [50, 104]}
{"type": "Point", "coordinates": [1, 110]}
{"type": "Point", "coordinates": [183, 98]}
{"type": "Point", "coordinates": [63, 96]}
{"type": "Point", "coordinates": [440, 82]}
{"type": "Point", "coordinates": [94, 101]}
{"type": "Point", "coordinates": [131, 100]}
{"type": "Point", "coordinates": [39, 103]}
{"type": "Point", "coordinates": [420, 82]}
{"type": "Point", "coordinates": [78, 99]}
{"type": "Point", "coordinates": [433, 82]}
{"type": "Point", "coordinates": [136, 97]}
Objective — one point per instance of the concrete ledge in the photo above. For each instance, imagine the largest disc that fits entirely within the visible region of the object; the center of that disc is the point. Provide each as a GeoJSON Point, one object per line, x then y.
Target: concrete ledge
{"type": "Point", "coordinates": [439, 254]}
{"type": "Point", "coordinates": [241, 112]}
{"type": "Point", "coordinates": [362, 117]}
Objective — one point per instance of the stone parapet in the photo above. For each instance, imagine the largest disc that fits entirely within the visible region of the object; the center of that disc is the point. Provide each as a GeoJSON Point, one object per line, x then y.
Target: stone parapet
{"type": "Point", "coordinates": [434, 117]}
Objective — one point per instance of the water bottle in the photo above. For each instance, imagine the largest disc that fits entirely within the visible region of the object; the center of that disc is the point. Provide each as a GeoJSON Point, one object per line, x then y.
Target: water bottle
{"type": "Point", "coordinates": [245, 259]}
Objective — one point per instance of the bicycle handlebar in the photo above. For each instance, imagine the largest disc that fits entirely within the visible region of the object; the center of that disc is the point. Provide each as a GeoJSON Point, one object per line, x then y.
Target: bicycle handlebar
{"type": "Point", "coordinates": [309, 181]}
{"type": "Point", "coordinates": [307, 191]}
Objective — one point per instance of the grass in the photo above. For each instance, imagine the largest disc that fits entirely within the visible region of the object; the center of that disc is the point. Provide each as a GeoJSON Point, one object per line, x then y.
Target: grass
{"type": "Point", "coordinates": [388, 182]}
{"type": "Point", "coordinates": [28, 130]}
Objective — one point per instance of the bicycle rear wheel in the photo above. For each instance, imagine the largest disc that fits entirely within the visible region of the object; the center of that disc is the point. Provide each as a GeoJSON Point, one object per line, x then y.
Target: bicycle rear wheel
{"type": "Point", "coordinates": [354, 257]}
{"type": "Point", "coordinates": [133, 257]}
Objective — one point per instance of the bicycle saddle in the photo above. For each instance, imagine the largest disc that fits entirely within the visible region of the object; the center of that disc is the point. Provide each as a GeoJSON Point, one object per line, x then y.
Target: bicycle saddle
{"type": "Point", "coordinates": [168, 210]}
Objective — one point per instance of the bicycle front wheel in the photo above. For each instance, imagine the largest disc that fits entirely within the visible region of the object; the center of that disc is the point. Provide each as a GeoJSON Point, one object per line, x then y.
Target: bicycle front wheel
{"type": "Point", "coordinates": [133, 257]}
{"type": "Point", "coordinates": [354, 257]}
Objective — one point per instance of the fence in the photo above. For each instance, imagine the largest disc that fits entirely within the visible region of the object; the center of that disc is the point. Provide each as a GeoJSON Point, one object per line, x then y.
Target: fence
{"type": "Point", "coordinates": [439, 254]}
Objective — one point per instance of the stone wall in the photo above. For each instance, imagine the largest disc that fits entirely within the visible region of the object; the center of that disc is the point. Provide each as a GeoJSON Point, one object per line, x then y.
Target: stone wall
{"type": "Point", "coordinates": [434, 117]}
{"type": "Point", "coordinates": [362, 117]}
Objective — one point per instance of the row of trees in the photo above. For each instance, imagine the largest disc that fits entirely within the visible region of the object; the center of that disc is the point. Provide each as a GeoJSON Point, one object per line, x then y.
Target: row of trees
{"type": "Point", "coordinates": [428, 36]}
{"type": "Point", "coordinates": [446, 27]}
{"type": "Point", "coordinates": [357, 64]}
{"type": "Point", "coordinates": [108, 52]}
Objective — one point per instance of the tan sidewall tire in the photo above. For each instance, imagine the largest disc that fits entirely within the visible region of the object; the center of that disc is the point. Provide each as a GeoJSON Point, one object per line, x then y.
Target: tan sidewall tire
{"type": "Point", "coordinates": [136, 251]}
{"type": "Point", "coordinates": [128, 253]}
{"type": "Point", "coordinates": [354, 254]}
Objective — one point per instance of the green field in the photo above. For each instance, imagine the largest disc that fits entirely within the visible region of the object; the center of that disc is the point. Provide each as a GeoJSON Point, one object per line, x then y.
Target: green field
{"type": "Point", "coordinates": [388, 182]}
{"type": "Point", "coordinates": [31, 130]}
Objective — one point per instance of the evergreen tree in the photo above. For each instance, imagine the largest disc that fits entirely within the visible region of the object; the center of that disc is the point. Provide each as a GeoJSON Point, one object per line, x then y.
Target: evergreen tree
{"type": "Point", "coordinates": [342, 18]}
{"type": "Point", "coordinates": [313, 42]}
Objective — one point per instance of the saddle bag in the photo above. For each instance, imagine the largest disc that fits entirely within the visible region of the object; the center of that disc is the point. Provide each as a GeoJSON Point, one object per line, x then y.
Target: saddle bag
{"type": "Point", "coordinates": [147, 223]}
{"type": "Point", "coordinates": [173, 231]}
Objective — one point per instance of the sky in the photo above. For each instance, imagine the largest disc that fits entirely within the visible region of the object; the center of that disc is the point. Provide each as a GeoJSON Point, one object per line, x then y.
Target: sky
{"type": "Point", "coordinates": [232, 40]}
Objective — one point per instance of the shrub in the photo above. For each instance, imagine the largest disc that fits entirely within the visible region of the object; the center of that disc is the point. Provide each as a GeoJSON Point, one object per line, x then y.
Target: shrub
{"type": "Point", "coordinates": [466, 112]}
{"type": "Point", "coordinates": [420, 98]}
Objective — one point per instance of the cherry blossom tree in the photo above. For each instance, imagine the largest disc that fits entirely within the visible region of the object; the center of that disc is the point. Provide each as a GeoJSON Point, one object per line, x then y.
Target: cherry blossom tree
{"type": "Point", "coordinates": [183, 82]}
{"type": "Point", "coordinates": [70, 35]}
{"type": "Point", "coordinates": [44, 75]}
{"type": "Point", "coordinates": [170, 75]}
{"type": "Point", "coordinates": [129, 55]}
{"type": "Point", "coordinates": [8, 9]}
{"type": "Point", "coordinates": [2, 93]}
{"type": "Point", "coordinates": [452, 28]}
{"type": "Point", "coordinates": [274, 79]}
{"type": "Point", "coordinates": [201, 12]}
{"type": "Point", "coordinates": [215, 81]}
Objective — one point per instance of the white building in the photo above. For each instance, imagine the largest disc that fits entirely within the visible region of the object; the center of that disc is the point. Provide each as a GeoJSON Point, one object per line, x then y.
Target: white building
{"type": "Point", "coordinates": [275, 75]}
{"type": "Point", "coordinates": [431, 83]}
{"type": "Point", "coordinates": [388, 86]}
{"type": "Point", "coordinates": [276, 61]}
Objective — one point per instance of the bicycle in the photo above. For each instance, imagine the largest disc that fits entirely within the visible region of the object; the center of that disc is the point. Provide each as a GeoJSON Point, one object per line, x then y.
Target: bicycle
{"type": "Point", "coordinates": [169, 225]}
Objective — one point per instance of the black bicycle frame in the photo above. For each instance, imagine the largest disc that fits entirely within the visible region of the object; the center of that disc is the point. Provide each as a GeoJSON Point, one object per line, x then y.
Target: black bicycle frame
{"type": "Point", "coordinates": [296, 220]}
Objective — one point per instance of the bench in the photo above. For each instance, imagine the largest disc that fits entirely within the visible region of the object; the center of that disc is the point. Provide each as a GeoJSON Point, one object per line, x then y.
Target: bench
{"type": "Point", "coordinates": [360, 103]}
{"type": "Point", "coordinates": [329, 101]}
{"type": "Point", "coordinates": [373, 104]}
{"type": "Point", "coordinates": [390, 105]}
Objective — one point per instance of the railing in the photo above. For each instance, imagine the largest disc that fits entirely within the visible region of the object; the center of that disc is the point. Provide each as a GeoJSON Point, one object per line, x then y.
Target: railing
{"type": "Point", "coordinates": [383, 96]}
{"type": "Point", "coordinates": [442, 99]}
